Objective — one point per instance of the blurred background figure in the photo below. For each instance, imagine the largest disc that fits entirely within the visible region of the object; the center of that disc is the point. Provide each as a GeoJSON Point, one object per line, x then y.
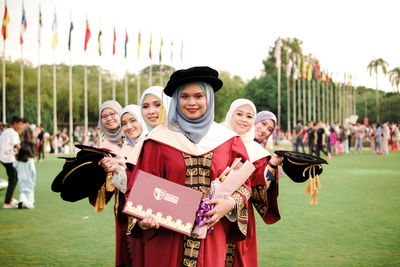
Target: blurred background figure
{"type": "Point", "coordinates": [26, 170]}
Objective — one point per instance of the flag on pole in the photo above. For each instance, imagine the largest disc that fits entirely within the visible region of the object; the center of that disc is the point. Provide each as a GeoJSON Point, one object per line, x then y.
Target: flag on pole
{"type": "Point", "coordinates": [40, 27]}
{"type": "Point", "coordinates": [327, 77]}
{"type": "Point", "coordinates": [99, 41]}
{"type": "Point", "coordinates": [87, 35]}
{"type": "Point", "coordinates": [304, 69]}
{"type": "Point", "coordinates": [278, 52]}
{"type": "Point", "coordinates": [161, 45]}
{"type": "Point", "coordinates": [318, 73]}
{"type": "Point", "coordinates": [310, 71]}
{"type": "Point", "coordinates": [126, 42]}
{"type": "Point", "coordinates": [115, 38]}
{"type": "Point", "coordinates": [139, 43]}
{"type": "Point", "coordinates": [6, 20]}
{"type": "Point", "coordinates": [295, 71]}
{"type": "Point", "coordinates": [289, 68]}
{"type": "Point", "coordinates": [151, 42]}
{"type": "Point", "coordinates": [23, 25]}
{"type": "Point", "coordinates": [182, 51]}
{"type": "Point", "coordinates": [172, 51]}
{"type": "Point", "coordinates": [54, 42]}
{"type": "Point", "coordinates": [71, 27]}
{"type": "Point", "coordinates": [299, 67]}
{"type": "Point", "coordinates": [314, 72]}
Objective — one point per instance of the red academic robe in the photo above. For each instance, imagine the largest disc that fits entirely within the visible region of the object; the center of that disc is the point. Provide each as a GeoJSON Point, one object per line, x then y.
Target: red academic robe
{"type": "Point", "coordinates": [163, 247]}
{"type": "Point", "coordinates": [124, 247]}
{"type": "Point", "coordinates": [265, 202]}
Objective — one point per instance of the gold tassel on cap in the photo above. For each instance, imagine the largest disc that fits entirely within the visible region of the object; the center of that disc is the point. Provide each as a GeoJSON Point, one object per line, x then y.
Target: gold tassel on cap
{"type": "Point", "coordinates": [109, 186]}
{"type": "Point", "coordinates": [309, 186]}
{"type": "Point", "coordinates": [100, 200]}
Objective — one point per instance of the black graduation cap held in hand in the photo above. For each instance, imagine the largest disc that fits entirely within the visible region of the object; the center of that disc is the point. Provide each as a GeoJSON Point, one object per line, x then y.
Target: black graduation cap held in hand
{"type": "Point", "coordinates": [81, 176]}
{"type": "Point", "coordinates": [300, 167]}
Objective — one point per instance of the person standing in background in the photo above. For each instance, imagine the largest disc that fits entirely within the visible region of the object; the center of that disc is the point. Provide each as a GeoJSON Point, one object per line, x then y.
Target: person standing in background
{"type": "Point", "coordinates": [298, 132]}
{"type": "Point", "coordinates": [41, 140]}
{"type": "Point", "coordinates": [9, 146]}
{"type": "Point", "coordinates": [26, 170]}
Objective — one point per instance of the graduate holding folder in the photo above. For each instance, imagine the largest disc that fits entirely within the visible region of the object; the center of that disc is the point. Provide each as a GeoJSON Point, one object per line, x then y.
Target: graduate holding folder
{"type": "Point", "coordinates": [192, 150]}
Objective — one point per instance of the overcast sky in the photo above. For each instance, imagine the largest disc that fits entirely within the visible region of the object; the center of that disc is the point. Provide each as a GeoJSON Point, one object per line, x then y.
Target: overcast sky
{"type": "Point", "coordinates": [344, 35]}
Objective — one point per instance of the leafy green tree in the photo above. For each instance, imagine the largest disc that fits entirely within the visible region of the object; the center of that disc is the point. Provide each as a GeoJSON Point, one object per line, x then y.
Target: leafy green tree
{"type": "Point", "coordinates": [374, 66]}
{"type": "Point", "coordinates": [394, 77]}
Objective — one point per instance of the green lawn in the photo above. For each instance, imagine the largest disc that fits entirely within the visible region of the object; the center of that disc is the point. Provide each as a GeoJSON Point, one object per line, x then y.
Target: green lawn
{"type": "Point", "coordinates": [356, 221]}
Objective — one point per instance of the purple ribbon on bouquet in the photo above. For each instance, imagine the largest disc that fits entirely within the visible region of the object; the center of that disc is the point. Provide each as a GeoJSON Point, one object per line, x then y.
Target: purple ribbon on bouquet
{"type": "Point", "coordinates": [200, 218]}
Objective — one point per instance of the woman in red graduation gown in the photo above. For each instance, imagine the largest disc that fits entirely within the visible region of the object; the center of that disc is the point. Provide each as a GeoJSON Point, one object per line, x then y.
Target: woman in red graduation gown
{"type": "Point", "coordinates": [240, 118]}
{"type": "Point", "coordinates": [192, 150]}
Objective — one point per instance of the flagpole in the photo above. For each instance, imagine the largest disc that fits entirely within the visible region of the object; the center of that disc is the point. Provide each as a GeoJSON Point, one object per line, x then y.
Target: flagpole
{"type": "Point", "coordinates": [314, 107]}
{"type": "Point", "coordinates": [323, 101]}
{"type": "Point", "coordinates": [126, 88]}
{"type": "Point", "coordinates": [55, 105]}
{"type": "Point", "coordinates": [86, 102]}
{"type": "Point", "coordinates": [294, 99]}
{"type": "Point", "coordinates": [331, 88]}
{"type": "Point", "coordinates": [100, 89]}
{"type": "Point", "coordinates": [340, 102]}
{"type": "Point", "coordinates": [71, 140]}
{"type": "Point", "coordinates": [4, 82]}
{"type": "Point", "coordinates": [327, 101]}
{"type": "Point", "coordinates": [138, 89]}
{"type": "Point", "coordinates": [21, 99]}
{"type": "Point", "coordinates": [288, 102]}
{"type": "Point", "coordinates": [38, 90]}
{"type": "Point", "coordinates": [309, 100]}
{"type": "Point", "coordinates": [299, 97]}
{"type": "Point", "coordinates": [318, 99]}
{"type": "Point", "coordinates": [304, 102]}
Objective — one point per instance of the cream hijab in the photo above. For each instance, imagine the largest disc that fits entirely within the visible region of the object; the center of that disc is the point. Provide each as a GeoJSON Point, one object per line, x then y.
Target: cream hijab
{"type": "Point", "coordinates": [158, 92]}
{"type": "Point", "coordinates": [254, 150]}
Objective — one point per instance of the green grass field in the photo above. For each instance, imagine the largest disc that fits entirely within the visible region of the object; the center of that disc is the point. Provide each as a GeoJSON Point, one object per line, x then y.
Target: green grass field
{"type": "Point", "coordinates": [356, 221]}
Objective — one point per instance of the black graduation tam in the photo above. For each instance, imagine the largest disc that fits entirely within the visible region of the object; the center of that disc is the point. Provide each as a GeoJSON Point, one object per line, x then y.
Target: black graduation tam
{"type": "Point", "coordinates": [81, 176]}
{"type": "Point", "coordinates": [194, 74]}
{"type": "Point", "coordinates": [300, 167]}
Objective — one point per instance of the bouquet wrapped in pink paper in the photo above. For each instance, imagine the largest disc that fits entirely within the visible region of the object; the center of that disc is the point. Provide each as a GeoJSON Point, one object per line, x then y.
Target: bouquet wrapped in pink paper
{"type": "Point", "coordinates": [229, 181]}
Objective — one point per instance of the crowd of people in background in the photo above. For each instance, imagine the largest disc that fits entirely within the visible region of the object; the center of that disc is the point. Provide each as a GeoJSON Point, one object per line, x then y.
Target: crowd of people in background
{"type": "Point", "coordinates": [338, 138]}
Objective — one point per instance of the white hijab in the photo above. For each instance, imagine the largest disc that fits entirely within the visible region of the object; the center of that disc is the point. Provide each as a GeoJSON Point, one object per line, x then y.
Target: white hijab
{"type": "Point", "coordinates": [134, 110]}
{"type": "Point", "coordinates": [254, 150]}
{"type": "Point", "coordinates": [158, 92]}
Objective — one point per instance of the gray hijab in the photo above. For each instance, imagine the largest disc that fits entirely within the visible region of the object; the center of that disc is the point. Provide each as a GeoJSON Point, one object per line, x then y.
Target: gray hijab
{"type": "Point", "coordinates": [114, 136]}
{"type": "Point", "coordinates": [195, 129]}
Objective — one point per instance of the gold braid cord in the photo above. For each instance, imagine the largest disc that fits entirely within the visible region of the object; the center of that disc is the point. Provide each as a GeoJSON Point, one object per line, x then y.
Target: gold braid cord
{"type": "Point", "coordinates": [197, 177]}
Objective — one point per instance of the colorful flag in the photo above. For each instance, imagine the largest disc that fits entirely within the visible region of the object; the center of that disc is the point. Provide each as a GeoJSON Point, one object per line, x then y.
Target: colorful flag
{"type": "Point", "coordinates": [172, 51]}
{"type": "Point", "coordinates": [54, 42]}
{"type": "Point", "coordinates": [314, 73]}
{"type": "Point", "coordinates": [295, 71]}
{"type": "Point", "coordinates": [182, 51]}
{"type": "Point", "coordinates": [115, 38]}
{"type": "Point", "coordinates": [304, 69]}
{"type": "Point", "coordinates": [23, 25]}
{"type": "Point", "coordinates": [299, 67]}
{"type": "Point", "coordinates": [318, 73]}
{"type": "Point", "coordinates": [289, 68]}
{"type": "Point", "coordinates": [327, 77]}
{"type": "Point", "coordinates": [310, 71]}
{"type": "Point", "coordinates": [6, 20]}
{"type": "Point", "coordinates": [40, 27]}
{"type": "Point", "coordinates": [99, 41]}
{"type": "Point", "coordinates": [71, 27]}
{"type": "Point", "coordinates": [87, 35]}
{"type": "Point", "coordinates": [126, 42]}
{"type": "Point", "coordinates": [151, 42]}
{"type": "Point", "coordinates": [161, 45]}
{"type": "Point", "coordinates": [278, 53]}
{"type": "Point", "coordinates": [139, 43]}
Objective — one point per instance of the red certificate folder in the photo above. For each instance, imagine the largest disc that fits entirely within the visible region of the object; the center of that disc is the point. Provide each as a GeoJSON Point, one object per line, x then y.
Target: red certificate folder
{"type": "Point", "coordinates": [173, 205]}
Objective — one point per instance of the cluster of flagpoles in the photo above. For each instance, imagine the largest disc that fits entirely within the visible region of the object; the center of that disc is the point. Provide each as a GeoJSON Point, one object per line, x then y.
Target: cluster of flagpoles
{"type": "Point", "coordinates": [324, 100]}
{"type": "Point", "coordinates": [54, 43]}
